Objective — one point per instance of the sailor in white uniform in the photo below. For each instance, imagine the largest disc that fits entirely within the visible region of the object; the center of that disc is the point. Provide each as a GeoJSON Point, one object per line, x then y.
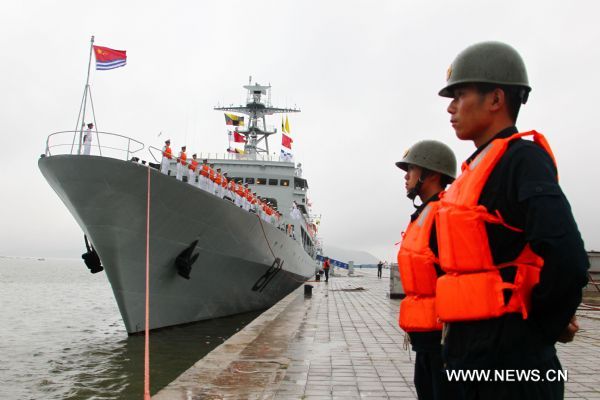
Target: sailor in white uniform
{"type": "Point", "coordinates": [298, 171]}
{"type": "Point", "coordinates": [192, 167]}
{"type": "Point", "coordinates": [294, 211]}
{"type": "Point", "coordinates": [203, 180]}
{"type": "Point", "coordinates": [166, 157]}
{"type": "Point", "coordinates": [181, 163]}
{"type": "Point", "coordinates": [87, 139]}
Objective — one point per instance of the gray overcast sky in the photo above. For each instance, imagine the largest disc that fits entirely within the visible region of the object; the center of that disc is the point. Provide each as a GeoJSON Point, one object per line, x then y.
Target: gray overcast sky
{"type": "Point", "coordinates": [365, 74]}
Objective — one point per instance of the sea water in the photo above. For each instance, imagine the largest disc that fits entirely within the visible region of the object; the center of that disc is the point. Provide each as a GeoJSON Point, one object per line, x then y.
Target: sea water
{"type": "Point", "coordinates": [62, 337]}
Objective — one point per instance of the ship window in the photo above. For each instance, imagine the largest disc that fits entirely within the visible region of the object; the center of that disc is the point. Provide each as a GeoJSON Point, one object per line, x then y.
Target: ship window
{"type": "Point", "coordinates": [285, 182]}
{"type": "Point", "coordinates": [261, 181]}
{"type": "Point", "coordinates": [238, 180]}
{"type": "Point", "coordinates": [250, 181]}
{"type": "Point", "coordinates": [272, 182]}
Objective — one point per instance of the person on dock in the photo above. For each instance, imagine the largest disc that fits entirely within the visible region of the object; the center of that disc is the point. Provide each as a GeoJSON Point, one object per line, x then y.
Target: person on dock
{"type": "Point", "coordinates": [167, 156]}
{"type": "Point", "coordinates": [379, 269]}
{"type": "Point", "coordinates": [506, 231]}
{"type": "Point", "coordinates": [430, 166]}
{"type": "Point", "coordinates": [87, 139]}
{"type": "Point", "coordinates": [326, 267]}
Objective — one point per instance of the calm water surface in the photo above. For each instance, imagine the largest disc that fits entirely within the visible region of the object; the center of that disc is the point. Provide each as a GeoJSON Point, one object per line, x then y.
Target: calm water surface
{"type": "Point", "coordinates": [62, 337]}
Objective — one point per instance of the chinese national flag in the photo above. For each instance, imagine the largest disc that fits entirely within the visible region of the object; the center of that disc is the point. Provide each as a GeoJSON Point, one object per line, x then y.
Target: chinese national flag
{"type": "Point", "coordinates": [105, 54]}
{"type": "Point", "coordinates": [286, 141]}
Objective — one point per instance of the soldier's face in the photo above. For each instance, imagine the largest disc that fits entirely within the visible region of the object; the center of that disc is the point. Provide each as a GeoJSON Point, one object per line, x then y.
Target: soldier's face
{"type": "Point", "coordinates": [469, 114]}
{"type": "Point", "coordinates": [412, 177]}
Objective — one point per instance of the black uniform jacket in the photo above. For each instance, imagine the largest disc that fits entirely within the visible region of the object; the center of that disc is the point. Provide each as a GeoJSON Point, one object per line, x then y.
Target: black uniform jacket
{"type": "Point", "coordinates": [523, 187]}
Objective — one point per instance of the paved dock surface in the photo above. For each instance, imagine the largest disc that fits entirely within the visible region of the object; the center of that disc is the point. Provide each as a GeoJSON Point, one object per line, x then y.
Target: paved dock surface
{"type": "Point", "coordinates": [342, 343]}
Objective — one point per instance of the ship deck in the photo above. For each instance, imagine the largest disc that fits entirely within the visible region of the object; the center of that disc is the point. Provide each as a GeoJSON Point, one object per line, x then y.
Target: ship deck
{"type": "Point", "coordinates": [343, 343]}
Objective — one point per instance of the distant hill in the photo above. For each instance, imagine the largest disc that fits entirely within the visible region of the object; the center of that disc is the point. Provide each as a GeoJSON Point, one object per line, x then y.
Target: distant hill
{"type": "Point", "coordinates": [345, 255]}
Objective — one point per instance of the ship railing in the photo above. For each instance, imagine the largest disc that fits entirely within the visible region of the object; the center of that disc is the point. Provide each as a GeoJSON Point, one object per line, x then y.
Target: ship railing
{"type": "Point", "coordinates": [105, 144]}
{"type": "Point", "coordinates": [156, 153]}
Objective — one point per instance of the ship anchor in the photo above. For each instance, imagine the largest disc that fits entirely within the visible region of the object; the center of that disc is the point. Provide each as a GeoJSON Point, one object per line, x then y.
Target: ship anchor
{"type": "Point", "coordinates": [91, 258]}
{"type": "Point", "coordinates": [185, 260]}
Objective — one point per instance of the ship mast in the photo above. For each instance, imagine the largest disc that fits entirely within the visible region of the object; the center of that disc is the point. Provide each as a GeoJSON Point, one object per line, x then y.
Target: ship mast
{"type": "Point", "coordinates": [257, 109]}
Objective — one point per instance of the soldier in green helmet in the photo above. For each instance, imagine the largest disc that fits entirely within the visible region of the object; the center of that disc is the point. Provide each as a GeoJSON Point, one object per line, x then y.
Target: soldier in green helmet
{"type": "Point", "coordinates": [514, 259]}
{"type": "Point", "coordinates": [428, 159]}
{"type": "Point", "coordinates": [430, 166]}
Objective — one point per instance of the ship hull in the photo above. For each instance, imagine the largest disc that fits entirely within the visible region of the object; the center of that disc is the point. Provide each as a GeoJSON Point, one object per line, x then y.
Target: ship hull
{"type": "Point", "coordinates": [108, 199]}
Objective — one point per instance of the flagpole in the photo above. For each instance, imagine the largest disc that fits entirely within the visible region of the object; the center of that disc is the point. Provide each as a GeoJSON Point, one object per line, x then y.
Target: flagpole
{"type": "Point", "coordinates": [85, 93]}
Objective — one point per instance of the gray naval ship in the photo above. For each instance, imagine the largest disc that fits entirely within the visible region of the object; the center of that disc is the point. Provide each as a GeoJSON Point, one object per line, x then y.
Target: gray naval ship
{"type": "Point", "coordinates": [238, 261]}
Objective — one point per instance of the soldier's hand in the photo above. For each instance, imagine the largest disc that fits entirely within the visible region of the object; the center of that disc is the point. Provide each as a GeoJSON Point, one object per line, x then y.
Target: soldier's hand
{"type": "Point", "coordinates": [569, 333]}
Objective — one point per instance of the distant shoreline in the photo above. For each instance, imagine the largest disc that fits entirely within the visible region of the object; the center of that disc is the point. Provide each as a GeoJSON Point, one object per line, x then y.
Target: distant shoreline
{"type": "Point", "coordinates": [38, 258]}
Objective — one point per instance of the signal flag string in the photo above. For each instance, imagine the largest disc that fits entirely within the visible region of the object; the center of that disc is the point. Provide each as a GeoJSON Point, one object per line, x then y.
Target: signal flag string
{"type": "Point", "coordinates": [147, 331]}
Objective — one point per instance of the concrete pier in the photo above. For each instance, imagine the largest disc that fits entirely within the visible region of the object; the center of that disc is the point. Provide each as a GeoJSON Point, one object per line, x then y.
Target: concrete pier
{"type": "Point", "coordinates": [342, 343]}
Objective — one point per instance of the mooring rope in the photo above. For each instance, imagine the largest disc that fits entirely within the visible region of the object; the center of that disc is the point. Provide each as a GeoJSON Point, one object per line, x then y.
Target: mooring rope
{"type": "Point", "coordinates": [147, 330]}
{"type": "Point", "coordinates": [265, 235]}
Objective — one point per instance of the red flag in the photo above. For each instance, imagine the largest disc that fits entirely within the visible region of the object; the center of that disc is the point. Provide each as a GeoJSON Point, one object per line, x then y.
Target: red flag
{"type": "Point", "coordinates": [286, 141]}
{"type": "Point", "coordinates": [238, 138]}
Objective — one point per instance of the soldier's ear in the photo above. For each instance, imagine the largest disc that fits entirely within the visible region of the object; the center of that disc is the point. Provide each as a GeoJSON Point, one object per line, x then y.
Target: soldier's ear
{"type": "Point", "coordinates": [498, 98]}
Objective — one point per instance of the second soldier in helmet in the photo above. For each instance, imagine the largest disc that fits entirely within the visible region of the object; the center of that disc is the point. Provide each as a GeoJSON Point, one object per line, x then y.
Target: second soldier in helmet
{"type": "Point", "coordinates": [430, 166]}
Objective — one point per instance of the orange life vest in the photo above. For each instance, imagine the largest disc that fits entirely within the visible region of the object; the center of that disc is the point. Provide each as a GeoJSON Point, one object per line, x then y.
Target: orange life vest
{"type": "Point", "coordinates": [193, 165]}
{"type": "Point", "coordinates": [168, 153]}
{"type": "Point", "coordinates": [204, 171]}
{"type": "Point", "coordinates": [472, 288]}
{"type": "Point", "coordinates": [212, 174]}
{"type": "Point", "coordinates": [183, 158]}
{"type": "Point", "coordinates": [417, 271]}
{"type": "Point", "coordinates": [224, 182]}
{"type": "Point", "coordinates": [239, 189]}
{"type": "Point", "coordinates": [218, 179]}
